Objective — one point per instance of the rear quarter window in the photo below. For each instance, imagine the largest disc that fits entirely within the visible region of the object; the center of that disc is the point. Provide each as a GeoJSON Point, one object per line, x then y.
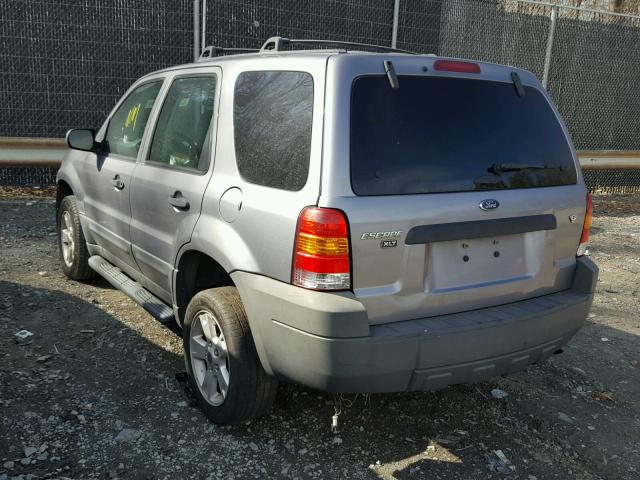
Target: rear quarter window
{"type": "Point", "coordinates": [272, 121]}
{"type": "Point", "coordinates": [437, 134]}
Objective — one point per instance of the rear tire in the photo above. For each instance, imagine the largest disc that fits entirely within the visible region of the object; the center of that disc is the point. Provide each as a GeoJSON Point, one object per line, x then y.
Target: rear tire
{"type": "Point", "coordinates": [74, 255]}
{"type": "Point", "coordinates": [222, 364]}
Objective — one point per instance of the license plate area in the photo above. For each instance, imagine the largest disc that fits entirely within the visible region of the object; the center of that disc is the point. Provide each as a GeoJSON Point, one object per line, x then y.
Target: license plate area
{"type": "Point", "coordinates": [464, 264]}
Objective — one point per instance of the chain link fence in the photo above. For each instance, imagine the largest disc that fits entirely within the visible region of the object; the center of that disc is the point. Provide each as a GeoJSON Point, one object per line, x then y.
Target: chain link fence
{"type": "Point", "coordinates": [612, 181]}
{"type": "Point", "coordinates": [594, 75]}
{"type": "Point", "coordinates": [64, 63]}
{"type": "Point", "coordinates": [248, 24]}
{"type": "Point", "coordinates": [28, 176]}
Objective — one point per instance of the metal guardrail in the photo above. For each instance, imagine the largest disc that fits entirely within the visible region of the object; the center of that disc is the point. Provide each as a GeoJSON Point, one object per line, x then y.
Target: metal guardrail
{"type": "Point", "coordinates": [31, 152]}
{"type": "Point", "coordinates": [48, 152]}
{"type": "Point", "coordinates": [609, 159]}
{"type": "Point", "coordinates": [35, 161]}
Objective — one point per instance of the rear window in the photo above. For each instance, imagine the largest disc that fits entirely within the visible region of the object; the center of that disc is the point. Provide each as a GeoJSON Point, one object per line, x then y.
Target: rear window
{"type": "Point", "coordinates": [437, 134]}
{"type": "Point", "coordinates": [272, 117]}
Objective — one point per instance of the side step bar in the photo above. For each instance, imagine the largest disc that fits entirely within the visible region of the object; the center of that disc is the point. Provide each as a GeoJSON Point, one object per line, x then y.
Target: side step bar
{"type": "Point", "coordinates": [116, 277]}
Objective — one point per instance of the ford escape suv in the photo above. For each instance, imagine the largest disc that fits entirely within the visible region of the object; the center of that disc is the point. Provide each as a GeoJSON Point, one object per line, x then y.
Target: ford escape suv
{"type": "Point", "coordinates": [354, 221]}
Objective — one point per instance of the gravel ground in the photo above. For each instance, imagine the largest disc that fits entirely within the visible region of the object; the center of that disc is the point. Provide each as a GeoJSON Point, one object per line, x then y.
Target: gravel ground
{"type": "Point", "coordinates": [100, 391]}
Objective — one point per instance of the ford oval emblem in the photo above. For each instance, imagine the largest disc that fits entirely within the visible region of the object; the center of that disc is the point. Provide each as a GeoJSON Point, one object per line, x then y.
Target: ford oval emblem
{"type": "Point", "coordinates": [489, 204]}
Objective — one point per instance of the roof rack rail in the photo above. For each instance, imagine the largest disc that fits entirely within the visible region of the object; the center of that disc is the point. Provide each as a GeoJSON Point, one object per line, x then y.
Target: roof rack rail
{"type": "Point", "coordinates": [212, 51]}
{"type": "Point", "coordinates": [276, 44]}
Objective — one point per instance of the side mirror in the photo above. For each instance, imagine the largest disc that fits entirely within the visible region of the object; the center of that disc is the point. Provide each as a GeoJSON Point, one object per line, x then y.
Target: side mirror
{"type": "Point", "coordinates": [82, 139]}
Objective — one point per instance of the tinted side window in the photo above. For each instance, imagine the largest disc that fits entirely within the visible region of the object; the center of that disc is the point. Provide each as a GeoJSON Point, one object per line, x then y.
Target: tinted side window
{"type": "Point", "coordinates": [272, 116]}
{"type": "Point", "coordinates": [184, 120]}
{"type": "Point", "coordinates": [126, 127]}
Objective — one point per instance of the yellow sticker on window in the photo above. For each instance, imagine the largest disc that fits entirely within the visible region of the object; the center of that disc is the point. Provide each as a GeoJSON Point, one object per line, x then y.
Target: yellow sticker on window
{"type": "Point", "coordinates": [132, 116]}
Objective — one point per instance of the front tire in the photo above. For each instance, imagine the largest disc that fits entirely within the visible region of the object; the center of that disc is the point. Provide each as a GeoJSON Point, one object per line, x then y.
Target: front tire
{"type": "Point", "coordinates": [74, 255]}
{"type": "Point", "coordinates": [222, 364]}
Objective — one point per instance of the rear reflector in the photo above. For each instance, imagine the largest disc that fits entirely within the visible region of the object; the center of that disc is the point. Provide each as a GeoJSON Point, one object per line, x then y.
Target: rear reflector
{"type": "Point", "coordinates": [321, 259]}
{"type": "Point", "coordinates": [586, 226]}
{"type": "Point", "coordinates": [456, 66]}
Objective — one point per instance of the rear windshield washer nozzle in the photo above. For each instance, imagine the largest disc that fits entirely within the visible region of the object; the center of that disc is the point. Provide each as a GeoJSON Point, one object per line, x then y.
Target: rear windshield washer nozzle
{"type": "Point", "coordinates": [391, 74]}
{"type": "Point", "coordinates": [517, 83]}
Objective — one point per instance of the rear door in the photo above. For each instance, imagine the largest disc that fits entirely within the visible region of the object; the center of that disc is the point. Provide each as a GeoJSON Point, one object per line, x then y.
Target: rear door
{"type": "Point", "coordinates": [107, 177]}
{"type": "Point", "coordinates": [167, 191]}
{"type": "Point", "coordinates": [462, 190]}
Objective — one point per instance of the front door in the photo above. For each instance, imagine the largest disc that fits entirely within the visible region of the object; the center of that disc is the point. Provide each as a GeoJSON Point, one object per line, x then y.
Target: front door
{"type": "Point", "coordinates": [108, 176]}
{"type": "Point", "coordinates": [169, 184]}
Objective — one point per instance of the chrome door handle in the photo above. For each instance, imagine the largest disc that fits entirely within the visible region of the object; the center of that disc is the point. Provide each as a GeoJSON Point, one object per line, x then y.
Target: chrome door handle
{"type": "Point", "coordinates": [117, 183]}
{"type": "Point", "coordinates": [178, 201]}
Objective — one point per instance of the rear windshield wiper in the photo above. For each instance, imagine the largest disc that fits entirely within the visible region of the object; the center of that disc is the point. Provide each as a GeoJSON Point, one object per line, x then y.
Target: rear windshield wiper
{"type": "Point", "coordinates": [499, 168]}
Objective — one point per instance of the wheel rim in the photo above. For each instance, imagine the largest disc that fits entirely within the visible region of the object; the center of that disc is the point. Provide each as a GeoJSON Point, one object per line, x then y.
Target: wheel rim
{"type": "Point", "coordinates": [209, 358]}
{"type": "Point", "coordinates": [67, 242]}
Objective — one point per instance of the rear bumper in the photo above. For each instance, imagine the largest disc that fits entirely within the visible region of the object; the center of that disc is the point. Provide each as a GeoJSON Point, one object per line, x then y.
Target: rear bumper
{"type": "Point", "coordinates": [323, 340]}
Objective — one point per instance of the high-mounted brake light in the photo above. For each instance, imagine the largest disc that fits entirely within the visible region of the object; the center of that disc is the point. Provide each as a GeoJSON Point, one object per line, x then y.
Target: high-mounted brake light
{"type": "Point", "coordinates": [584, 238]}
{"type": "Point", "coordinates": [321, 259]}
{"type": "Point", "coordinates": [456, 66]}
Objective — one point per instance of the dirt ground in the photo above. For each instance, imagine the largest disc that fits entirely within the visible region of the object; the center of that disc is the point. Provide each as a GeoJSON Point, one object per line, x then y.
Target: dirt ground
{"type": "Point", "coordinates": [99, 393]}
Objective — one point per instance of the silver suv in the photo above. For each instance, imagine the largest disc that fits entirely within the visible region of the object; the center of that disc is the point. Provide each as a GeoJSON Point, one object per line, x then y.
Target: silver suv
{"type": "Point", "coordinates": [352, 221]}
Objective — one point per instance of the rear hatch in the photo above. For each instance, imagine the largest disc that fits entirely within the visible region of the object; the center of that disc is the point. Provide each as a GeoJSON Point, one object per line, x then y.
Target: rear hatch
{"type": "Point", "coordinates": [461, 189]}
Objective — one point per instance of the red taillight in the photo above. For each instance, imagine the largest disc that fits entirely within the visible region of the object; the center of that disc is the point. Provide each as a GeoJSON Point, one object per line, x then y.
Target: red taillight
{"type": "Point", "coordinates": [586, 226]}
{"type": "Point", "coordinates": [456, 66]}
{"type": "Point", "coordinates": [321, 258]}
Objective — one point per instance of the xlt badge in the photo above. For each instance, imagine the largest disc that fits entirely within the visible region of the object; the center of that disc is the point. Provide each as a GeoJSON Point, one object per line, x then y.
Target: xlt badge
{"type": "Point", "coordinates": [388, 243]}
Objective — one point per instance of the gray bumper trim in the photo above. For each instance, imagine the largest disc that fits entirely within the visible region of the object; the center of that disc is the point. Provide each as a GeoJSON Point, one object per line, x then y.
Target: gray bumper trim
{"type": "Point", "coordinates": [420, 354]}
